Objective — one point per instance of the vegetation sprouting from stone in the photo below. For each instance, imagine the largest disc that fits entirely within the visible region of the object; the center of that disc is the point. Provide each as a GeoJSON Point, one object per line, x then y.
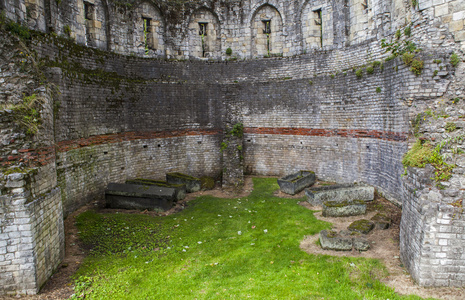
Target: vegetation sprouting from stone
{"type": "Point", "coordinates": [418, 155]}
{"type": "Point", "coordinates": [17, 29]}
{"type": "Point", "coordinates": [237, 130]}
{"type": "Point", "coordinates": [359, 73]}
{"type": "Point", "coordinates": [450, 126]}
{"type": "Point", "coordinates": [454, 59]}
{"type": "Point", "coordinates": [27, 113]}
{"type": "Point", "coordinates": [405, 49]}
{"type": "Point", "coordinates": [423, 153]}
{"type": "Point", "coordinates": [407, 31]}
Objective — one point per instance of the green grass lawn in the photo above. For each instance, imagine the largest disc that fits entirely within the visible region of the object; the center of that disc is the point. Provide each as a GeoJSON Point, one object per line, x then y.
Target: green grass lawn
{"type": "Point", "coordinates": [220, 249]}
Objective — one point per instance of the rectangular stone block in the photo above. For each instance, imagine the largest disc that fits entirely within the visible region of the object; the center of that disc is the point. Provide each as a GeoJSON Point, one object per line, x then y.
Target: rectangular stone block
{"type": "Point", "coordinates": [131, 196]}
{"type": "Point", "coordinates": [193, 184]}
{"type": "Point", "coordinates": [296, 182]}
{"type": "Point", "coordinates": [180, 189]}
{"type": "Point", "coordinates": [441, 10]}
{"type": "Point", "coordinates": [340, 193]}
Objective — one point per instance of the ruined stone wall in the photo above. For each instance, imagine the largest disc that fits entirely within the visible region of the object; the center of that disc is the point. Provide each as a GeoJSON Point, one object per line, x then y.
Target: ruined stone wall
{"type": "Point", "coordinates": [31, 212]}
{"type": "Point", "coordinates": [120, 117]}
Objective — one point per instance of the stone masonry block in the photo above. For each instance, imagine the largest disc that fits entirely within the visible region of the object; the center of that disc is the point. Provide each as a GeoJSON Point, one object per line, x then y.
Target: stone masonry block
{"type": "Point", "coordinates": [441, 10]}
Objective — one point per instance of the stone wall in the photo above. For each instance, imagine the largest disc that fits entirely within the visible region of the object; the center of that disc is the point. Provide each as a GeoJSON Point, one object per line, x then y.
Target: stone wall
{"type": "Point", "coordinates": [172, 31]}
{"type": "Point", "coordinates": [118, 117]}
{"type": "Point", "coordinates": [31, 212]}
{"type": "Point", "coordinates": [432, 231]}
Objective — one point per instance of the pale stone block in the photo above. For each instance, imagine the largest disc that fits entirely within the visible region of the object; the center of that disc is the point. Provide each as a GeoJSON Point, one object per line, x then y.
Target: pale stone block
{"type": "Point", "coordinates": [438, 2]}
{"type": "Point", "coordinates": [447, 19]}
{"type": "Point", "coordinates": [441, 10]}
{"type": "Point", "coordinates": [425, 4]}
{"type": "Point", "coordinates": [459, 36]}
{"type": "Point", "coordinates": [456, 25]}
{"type": "Point", "coordinates": [97, 24]}
{"type": "Point", "coordinates": [458, 15]}
{"type": "Point", "coordinates": [443, 242]}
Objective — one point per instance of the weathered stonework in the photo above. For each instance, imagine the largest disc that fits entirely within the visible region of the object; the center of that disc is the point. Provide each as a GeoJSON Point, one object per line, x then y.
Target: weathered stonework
{"type": "Point", "coordinates": [129, 113]}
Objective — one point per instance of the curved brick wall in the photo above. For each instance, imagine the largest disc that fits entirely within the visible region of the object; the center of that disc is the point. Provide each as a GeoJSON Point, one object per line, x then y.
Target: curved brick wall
{"type": "Point", "coordinates": [136, 114]}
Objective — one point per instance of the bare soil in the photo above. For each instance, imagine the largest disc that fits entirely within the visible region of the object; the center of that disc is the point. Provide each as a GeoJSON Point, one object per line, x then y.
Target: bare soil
{"type": "Point", "coordinates": [384, 246]}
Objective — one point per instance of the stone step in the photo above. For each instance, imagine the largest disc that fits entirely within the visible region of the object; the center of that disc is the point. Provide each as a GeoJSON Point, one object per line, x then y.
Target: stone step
{"type": "Point", "coordinates": [193, 184]}
{"type": "Point", "coordinates": [362, 226]}
{"type": "Point", "coordinates": [340, 193]}
{"type": "Point", "coordinates": [343, 241]}
{"type": "Point", "coordinates": [180, 189]}
{"type": "Point", "coordinates": [344, 208]}
{"type": "Point", "coordinates": [132, 196]}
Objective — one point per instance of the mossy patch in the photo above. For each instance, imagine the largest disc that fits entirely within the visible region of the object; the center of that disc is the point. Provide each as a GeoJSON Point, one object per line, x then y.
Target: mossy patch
{"type": "Point", "coordinates": [182, 176]}
{"type": "Point", "coordinates": [207, 183]}
{"type": "Point", "coordinates": [418, 156]}
{"type": "Point", "coordinates": [363, 226]}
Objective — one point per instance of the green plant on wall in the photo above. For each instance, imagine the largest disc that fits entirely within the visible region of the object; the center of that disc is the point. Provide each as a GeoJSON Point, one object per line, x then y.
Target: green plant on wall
{"type": "Point", "coordinates": [422, 153]}
{"type": "Point", "coordinates": [359, 73]}
{"type": "Point", "coordinates": [405, 49]}
{"type": "Point", "coordinates": [67, 30]}
{"type": "Point", "coordinates": [450, 126]}
{"type": "Point", "coordinates": [237, 130]}
{"type": "Point", "coordinates": [229, 52]}
{"type": "Point", "coordinates": [416, 66]}
{"type": "Point", "coordinates": [27, 113]}
{"type": "Point", "coordinates": [454, 59]}
{"type": "Point", "coordinates": [407, 31]}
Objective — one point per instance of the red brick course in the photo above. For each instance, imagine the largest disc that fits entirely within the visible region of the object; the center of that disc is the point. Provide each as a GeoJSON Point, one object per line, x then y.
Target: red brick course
{"type": "Point", "coordinates": [350, 133]}
{"type": "Point", "coordinates": [43, 156]}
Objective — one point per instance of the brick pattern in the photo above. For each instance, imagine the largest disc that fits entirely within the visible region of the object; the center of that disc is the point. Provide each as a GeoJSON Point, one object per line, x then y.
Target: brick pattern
{"type": "Point", "coordinates": [350, 133]}
{"type": "Point", "coordinates": [83, 173]}
{"type": "Point", "coordinates": [141, 118]}
{"type": "Point", "coordinates": [432, 232]}
{"type": "Point", "coordinates": [31, 237]}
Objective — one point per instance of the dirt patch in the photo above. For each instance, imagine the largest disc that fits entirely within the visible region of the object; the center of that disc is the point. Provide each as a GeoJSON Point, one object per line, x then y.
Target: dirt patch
{"type": "Point", "coordinates": [385, 246]}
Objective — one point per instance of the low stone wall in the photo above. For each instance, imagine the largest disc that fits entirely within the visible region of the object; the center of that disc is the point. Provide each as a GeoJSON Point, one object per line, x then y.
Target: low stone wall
{"type": "Point", "coordinates": [432, 231]}
{"type": "Point", "coordinates": [84, 171]}
{"type": "Point", "coordinates": [31, 236]}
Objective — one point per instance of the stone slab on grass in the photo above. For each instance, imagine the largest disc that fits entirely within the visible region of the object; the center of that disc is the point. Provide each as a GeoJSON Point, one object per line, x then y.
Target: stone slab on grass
{"type": "Point", "coordinates": [296, 182]}
{"type": "Point", "coordinates": [340, 193]}
{"type": "Point", "coordinates": [343, 241]}
{"type": "Point", "coordinates": [363, 226]}
{"type": "Point", "coordinates": [132, 196]}
{"type": "Point", "coordinates": [193, 184]}
{"type": "Point", "coordinates": [330, 240]}
{"type": "Point", "coordinates": [344, 208]}
{"type": "Point", "coordinates": [381, 221]}
{"type": "Point", "coordinates": [180, 189]}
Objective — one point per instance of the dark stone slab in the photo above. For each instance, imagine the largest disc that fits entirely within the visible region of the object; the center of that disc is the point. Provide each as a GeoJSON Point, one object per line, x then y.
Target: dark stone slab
{"type": "Point", "coordinates": [330, 240]}
{"type": "Point", "coordinates": [193, 184]}
{"type": "Point", "coordinates": [344, 208]}
{"type": "Point", "coordinates": [296, 182]}
{"type": "Point", "coordinates": [381, 221]}
{"type": "Point", "coordinates": [362, 226]}
{"type": "Point", "coordinates": [180, 189]}
{"type": "Point", "coordinates": [132, 196]}
{"type": "Point", "coordinates": [340, 193]}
